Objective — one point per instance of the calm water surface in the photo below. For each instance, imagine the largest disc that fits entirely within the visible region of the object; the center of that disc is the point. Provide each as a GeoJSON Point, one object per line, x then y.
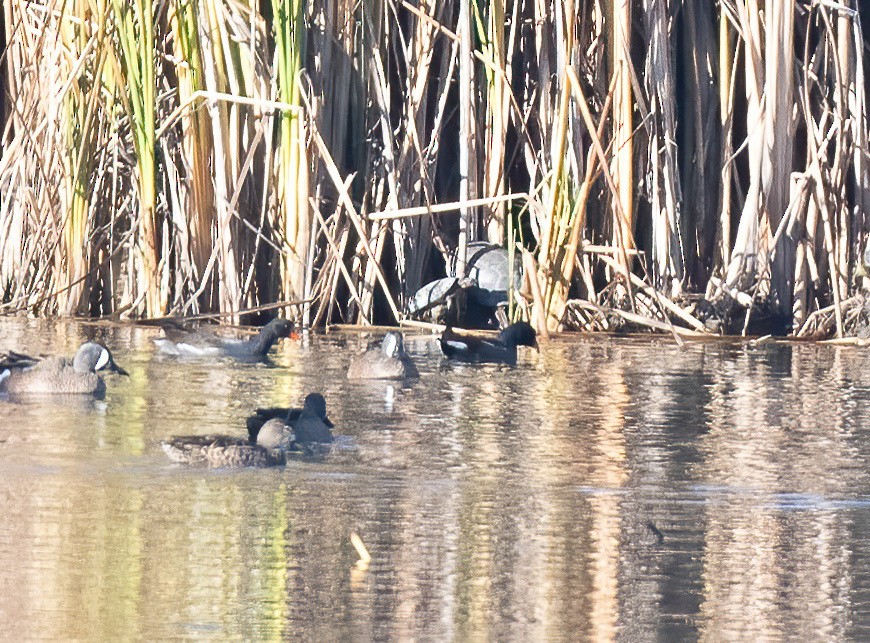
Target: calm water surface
{"type": "Point", "coordinates": [604, 488]}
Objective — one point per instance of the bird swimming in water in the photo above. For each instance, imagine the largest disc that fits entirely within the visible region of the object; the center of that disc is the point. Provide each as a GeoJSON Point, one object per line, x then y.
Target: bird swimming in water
{"type": "Point", "coordinates": [202, 344]}
{"type": "Point", "coordinates": [310, 425]}
{"type": "Point", "coordinates": [24, 375]}
{"type": "Point", "coordinates": [267, 448]}
{"type": "Point", "coordinates": [498, 350]}
{"type": "Point", "coordinates": [387, 360]}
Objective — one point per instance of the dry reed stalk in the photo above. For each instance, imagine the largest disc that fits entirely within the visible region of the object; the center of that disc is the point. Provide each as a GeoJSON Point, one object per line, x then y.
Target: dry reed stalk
{"type": "Point", "coordinates": [744, 253]}
{"type": "Point", "coordinates": [498, 91]}
{"type": "Point", "coordinates": [622, 163]}
{"type": "Point", "coordinates": [81, 105]}
{"type": "Point", "coordinates": [292, 170]}
{"type": "Point", "coordinates": [559, 289]}
{"type": "Point", "coordinates": [557, 208]}
{"type": "Point", "coordinates": [668, 262]}
{"type": "Point", "coordinates": [860, 125]}
{"type": "Point", "coordinates": [560, 275]}
{"type": "Point", "coordinates": [699, 140]}
{"type": "Point", "coordinates": [441, 208]}
{"type": "Point", "coordinates": [663, 302]}
{"type": "Point", "coordinates": [412, 237]}
{"type": "Point", "coordinates": [800, 192]}
{"type": "Point", "coordinates": [347, 203]}
{"type": "Point", "coordinates": [622, 248]}
{"type": "Point", "coordinates": [338, 255]}
{"type": "Point", "coordinates": [67, 222]}
{"type": "Point", "coordinates": [727, 84]}
{"type": "Point", "coordinates": [467, 220]}
{"type": "Point", "coordinates": [539, 312]}
{"type": "Point", "coordinates": [216, 72]}
{"type": "Point", "coordinates": [778, 142]}
{"type": "Point", "coordinates": [25, 136]}
{"type": "Point", "coordinates": [380, 90]}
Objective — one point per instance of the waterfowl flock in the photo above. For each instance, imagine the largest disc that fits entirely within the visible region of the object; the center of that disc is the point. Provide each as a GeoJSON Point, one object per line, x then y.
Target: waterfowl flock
{"type": "Point", "coordinates": [274, 434]}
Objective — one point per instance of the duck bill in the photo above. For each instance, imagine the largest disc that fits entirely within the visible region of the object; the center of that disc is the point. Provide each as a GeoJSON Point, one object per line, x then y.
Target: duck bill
{"type": "Point", "coordinates": [117, 369]}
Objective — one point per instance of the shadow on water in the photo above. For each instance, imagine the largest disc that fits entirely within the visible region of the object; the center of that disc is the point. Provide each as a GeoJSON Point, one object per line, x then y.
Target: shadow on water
{"type": "Point", "coordinates": [603, 487]}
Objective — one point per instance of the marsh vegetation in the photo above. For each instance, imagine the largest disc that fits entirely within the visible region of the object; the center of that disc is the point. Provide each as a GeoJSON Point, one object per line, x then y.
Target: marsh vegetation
{"type": "Point", "coordinates": [685, 164]}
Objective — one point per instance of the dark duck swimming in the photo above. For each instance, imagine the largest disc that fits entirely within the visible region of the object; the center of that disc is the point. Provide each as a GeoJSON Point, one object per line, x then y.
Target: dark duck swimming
{"type": "Point", "coordinates": [201, 344]}
{"type": "Point", "coordinates": [309, 425]}
{"type": "Point", "coordinates": [497, 350]}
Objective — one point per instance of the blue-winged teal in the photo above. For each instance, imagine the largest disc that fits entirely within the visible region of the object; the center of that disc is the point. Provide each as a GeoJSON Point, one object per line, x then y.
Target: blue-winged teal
{"type": "Point", "coordinates": [500, 350]}
{"type": "Point", "coordinates": [387, 361]}
{"type": "Point", "coordinates": [267, 448]}
{"type": "Point", "coordinates": [20, 374]}
{"type": "Point", "coordinates": [309, 424]}
{"type": "Point", "coordinates": [206, 345]}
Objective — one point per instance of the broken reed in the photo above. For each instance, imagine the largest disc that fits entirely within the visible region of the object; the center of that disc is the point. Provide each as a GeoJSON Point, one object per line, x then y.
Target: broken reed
{"type": "Point", "coordinates": [187, 157]}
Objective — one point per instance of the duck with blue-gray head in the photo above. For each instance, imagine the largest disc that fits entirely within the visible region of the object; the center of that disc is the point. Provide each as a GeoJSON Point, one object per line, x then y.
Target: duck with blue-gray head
{"type": "Point", "coordinates": [23, 375]}
{"type": "Point", "coordinates": [386, 360]}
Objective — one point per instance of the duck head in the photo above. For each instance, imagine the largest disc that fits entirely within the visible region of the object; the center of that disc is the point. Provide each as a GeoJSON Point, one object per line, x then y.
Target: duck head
{"type": "Point", "coordinates": [392, 345]}
{"type": "Point", "coordinates": [315, 406]}
{"type": "Point", "coordinates": [271, 333]}
{"type": "Point", "coordinates": [279, 328]}
{"type": "Point", "coordinates": [520, 334]}
{"type": "Point", "coordinates": [92, 357]}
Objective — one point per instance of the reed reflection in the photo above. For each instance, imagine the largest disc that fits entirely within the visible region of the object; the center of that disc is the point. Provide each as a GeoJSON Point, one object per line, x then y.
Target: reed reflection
{"type": "Point", "coordinates": [604, 488]}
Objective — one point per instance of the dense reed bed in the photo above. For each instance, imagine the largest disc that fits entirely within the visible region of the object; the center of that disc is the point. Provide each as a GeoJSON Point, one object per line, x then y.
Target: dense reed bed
{"type": "Point", "coordinates": [681, 164]}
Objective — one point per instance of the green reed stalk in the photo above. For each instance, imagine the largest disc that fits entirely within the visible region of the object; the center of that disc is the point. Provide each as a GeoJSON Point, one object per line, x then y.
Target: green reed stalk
{"type": "Point", "coordinates": [77, 160]}
{"type": "Point", "coordinates": [134, 23]}
{"type": "Point", "coordinates": [491, 32]}
{"type": "Point", "coordinates": [196, 137]}
{"type": "Point", "coordinates": [292, 171]}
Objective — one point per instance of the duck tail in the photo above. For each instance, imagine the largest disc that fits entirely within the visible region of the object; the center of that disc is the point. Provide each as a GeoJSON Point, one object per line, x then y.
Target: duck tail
{"type": "Point", "coordinates": [3, 377]}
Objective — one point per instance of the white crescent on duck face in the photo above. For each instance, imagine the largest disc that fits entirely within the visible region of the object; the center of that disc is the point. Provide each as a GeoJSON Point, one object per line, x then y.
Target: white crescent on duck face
{"type": "Point", "coordinates": [103, 360]}
{"type": "Point", "coordinates": [61, 375]}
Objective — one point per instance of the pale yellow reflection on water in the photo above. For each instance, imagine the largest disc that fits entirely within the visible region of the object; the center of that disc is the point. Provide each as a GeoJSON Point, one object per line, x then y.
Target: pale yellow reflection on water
{"type": "Point", "coordinates": [604, 488]}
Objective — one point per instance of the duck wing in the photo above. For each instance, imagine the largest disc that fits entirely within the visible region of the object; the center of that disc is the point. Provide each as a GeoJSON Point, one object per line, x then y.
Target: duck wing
{"type": "Point", "coordinates": [495, 351]}
{"type": "Point", "coordinates": [455, 346]}
{"type": "Point", "coordinates": [201, 344]}
{"type": "Point", "coordinates": [188, 449]}
{"type": "Point", "coordinates": [468, 348]}
{"type": "Point", "coordinates": [182, 343]}
{"type": "Point", "coordinates": [51, 376]}
{"type": "Point", "coordinates": [373, 364]}
{"type": "Point", "coordinates": [221, 451]}
{"type": "Point", "coordinates": [14, 359]}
